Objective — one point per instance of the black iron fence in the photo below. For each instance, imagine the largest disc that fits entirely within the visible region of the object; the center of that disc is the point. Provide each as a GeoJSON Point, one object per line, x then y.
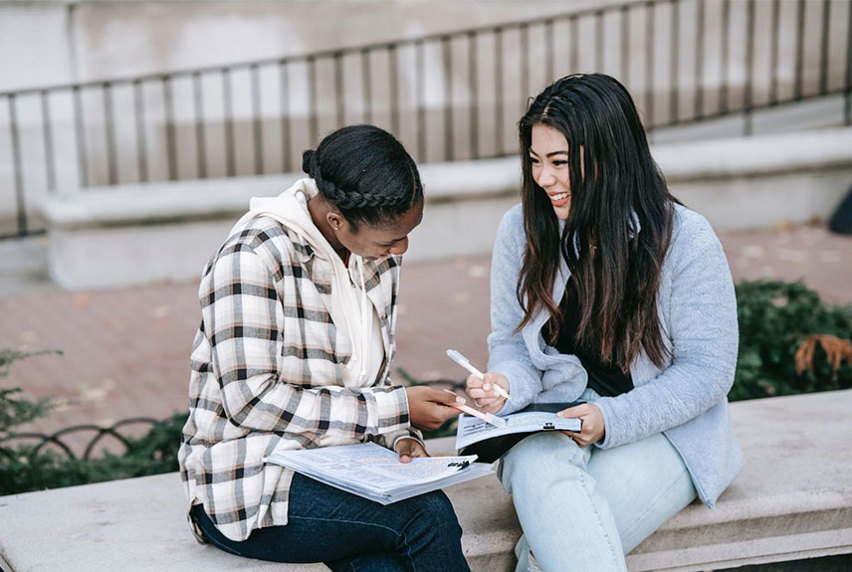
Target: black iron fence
{"type": "Point", "coordinates": [85, 441]}
{"type": "Point", "coordinates": [449, 96]}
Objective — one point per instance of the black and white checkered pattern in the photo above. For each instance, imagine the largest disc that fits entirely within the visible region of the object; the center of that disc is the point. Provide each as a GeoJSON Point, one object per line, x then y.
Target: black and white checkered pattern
{"type": "Point", "coordinates": [267, 372]}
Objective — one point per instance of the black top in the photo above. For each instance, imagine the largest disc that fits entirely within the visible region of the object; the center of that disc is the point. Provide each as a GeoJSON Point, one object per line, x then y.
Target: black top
{"type": "Point", "coordinates": [605, 379]}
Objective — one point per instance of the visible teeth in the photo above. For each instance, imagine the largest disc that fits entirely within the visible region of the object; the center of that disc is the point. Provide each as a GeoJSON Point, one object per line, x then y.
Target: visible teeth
{"type": "Point", "coordinates": [559, 197]}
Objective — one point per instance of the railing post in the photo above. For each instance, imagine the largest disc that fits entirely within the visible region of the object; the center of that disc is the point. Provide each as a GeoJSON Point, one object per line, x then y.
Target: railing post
{"type": "Point", "coordinates": [313, 125]}
{"type": "Point", "coordinates": [674, 78]}
{"type": "Point", "coordinates": [548, 51]}
{"type": "Point", "coordinates": [473, 76]}
{"type": "Point", "coordinates": [200, 134]}
{"type": "Point", "coordinates": [366, 79]}
{"type": "Point", "coordinates": [524, 56]}
{"type": "Point", "coordinates": [498, 91]}
{"type": "Point", "coordinates": [109, 133]}
{"type": "Point", "coordinates": [50, 169]}
{"type": "Point", "coordinates": [726, 38]}
{"type": "Point", "coordinates": [699, 61]}
{"type": "Point", "coordinates": [286, 143]}
{"type": "Point", "coordinates": [649, 66]}
{"type": "Point", "coordinates": [171, 144]}
{"type": "Point", "coordinates": [847, 111]}
{"type": "Point", "coordinates": [340, 103]}
{"type": "Point", "coordinates": [749, 80]}
{"type": "Point", "coordinates": [823, 59]}
{"type": "Point", "coordinates": [800, 49]}
{"type": "Point", "coordinates": [141, 140]}
{"type": "Point", "coordinates": [599, 41]}
{"type": "Point", "coordinates": [625, 45]}
{"type": "Point", "coordinates": [82, 161]}
{"type": "Point", "coordinates": [420, 72]}
{"type": "Point", "coordinates": [446, 50]}
{"type": "Point", "coordinates": [230, 158]}
{"type": "Point", "coordinates": [773, 53]}
{"type": "Point", "coordinates": [17, 167]}
{"type": "Point", "coordinates": [575, 43]}
{"type": "Point", "coordinates": [395, 111]}
{"type": "Point", "coordinates": [257, 114]}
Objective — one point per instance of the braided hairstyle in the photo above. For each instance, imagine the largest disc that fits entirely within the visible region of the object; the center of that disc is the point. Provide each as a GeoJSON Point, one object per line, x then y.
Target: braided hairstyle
{"type": "Point", "coordinates": [366, 173]}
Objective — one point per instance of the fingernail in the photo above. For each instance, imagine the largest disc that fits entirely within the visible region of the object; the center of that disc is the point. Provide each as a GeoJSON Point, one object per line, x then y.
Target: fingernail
{"type": "Point", "coordinates": [460, 399]}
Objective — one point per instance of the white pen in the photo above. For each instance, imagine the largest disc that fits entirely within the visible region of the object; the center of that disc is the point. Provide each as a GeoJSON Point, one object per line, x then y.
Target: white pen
{"type": "Point", "coordinates": [484, 415]}
{"type": "Point", "coordinates": [465, 363]}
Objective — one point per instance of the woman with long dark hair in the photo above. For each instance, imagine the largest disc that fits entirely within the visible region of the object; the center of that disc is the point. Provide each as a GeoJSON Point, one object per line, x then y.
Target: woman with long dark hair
{"type": "Point", "coordinates": [609, 295]}
{"type": "Point", "coordinates": [298, 311]}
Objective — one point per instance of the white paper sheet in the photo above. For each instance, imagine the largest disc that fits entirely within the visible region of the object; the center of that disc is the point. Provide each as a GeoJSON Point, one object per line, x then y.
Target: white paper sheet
{"type": "Point", "coordinates": [375, 472]}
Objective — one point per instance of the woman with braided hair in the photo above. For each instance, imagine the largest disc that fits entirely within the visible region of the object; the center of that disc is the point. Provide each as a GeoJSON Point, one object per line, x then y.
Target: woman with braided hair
{"type": "Point", "coordinates": [610, 296]}
{"type": "Point", "coordinates": [298, 310]}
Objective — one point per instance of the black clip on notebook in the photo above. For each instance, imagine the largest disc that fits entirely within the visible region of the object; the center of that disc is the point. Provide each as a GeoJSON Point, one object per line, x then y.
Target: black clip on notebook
{"type": "Point", "coordinates": [489, 449]}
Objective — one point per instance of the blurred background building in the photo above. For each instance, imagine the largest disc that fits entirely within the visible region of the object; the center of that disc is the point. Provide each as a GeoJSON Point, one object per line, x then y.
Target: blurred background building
{"type": "Point", "coordinates": [132, 135]}
{"type": "Point", "coordinates": [115, 113]}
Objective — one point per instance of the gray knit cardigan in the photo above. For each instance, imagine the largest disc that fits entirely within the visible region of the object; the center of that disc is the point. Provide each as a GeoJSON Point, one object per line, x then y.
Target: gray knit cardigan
{"type": "Point", "coordinates": [685, 400]}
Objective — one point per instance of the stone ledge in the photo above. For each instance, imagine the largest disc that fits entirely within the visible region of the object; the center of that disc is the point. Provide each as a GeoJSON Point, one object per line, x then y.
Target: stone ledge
{"type": "Point", "coordinates": [126, 235]}
{"type": "Point", "coordinates": [792, 501]}
{"type": "Point", "coordinates": [458, 181]}
{"type": "Point", "coordinates": [753, 156]}
{"type": "Point", "coordinates": [184, 201]}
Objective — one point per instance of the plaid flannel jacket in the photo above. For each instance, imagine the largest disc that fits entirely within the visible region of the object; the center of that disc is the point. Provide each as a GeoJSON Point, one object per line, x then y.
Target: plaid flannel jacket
{"type": "Point", "coordinates": [266, 373]}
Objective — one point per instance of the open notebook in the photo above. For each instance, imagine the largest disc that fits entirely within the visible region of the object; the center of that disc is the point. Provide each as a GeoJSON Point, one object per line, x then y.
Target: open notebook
{"type": "Point", "coordinates": [488, 442]}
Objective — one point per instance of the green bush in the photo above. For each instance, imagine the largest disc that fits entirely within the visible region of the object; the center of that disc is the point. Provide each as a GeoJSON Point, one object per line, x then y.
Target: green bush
{"type": "Point", "coordinates": [775, 319]}
{"type": "Point", "coordinates": [24, 468]}
{"type": "Point", "coordinates": [154, 453]}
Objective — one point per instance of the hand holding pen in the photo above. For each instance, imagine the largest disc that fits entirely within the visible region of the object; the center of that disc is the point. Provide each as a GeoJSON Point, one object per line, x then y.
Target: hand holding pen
{"type": "Point", "coordinates": [489, 390]}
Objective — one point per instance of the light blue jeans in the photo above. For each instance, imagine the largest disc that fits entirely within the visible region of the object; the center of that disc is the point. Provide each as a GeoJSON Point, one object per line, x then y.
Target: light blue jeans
{"type": "Point", "coordinates": [583, 509]}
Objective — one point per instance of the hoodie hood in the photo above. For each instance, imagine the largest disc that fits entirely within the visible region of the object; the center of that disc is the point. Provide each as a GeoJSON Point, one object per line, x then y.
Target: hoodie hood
{"type": "Point", "coordinates": [290, 208]}
{"type": "Point", "coordinates": [349, 306]}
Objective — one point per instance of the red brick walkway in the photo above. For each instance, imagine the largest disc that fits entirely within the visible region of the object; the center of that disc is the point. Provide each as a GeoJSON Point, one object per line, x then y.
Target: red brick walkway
{"type": "Point", "coordinates": [125, 352]}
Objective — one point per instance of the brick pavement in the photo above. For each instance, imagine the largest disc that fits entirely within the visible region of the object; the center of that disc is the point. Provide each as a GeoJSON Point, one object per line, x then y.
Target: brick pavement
{"type": "Point", "coordinates": [126, 350]}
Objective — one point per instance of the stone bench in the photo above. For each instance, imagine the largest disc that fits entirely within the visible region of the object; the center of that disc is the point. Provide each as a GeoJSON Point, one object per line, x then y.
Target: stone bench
{"type": "Point", "coordinates": [793, 501]}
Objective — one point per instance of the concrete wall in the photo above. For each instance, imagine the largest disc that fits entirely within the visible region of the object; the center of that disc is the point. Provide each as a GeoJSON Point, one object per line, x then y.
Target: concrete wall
{"type": "Point", "coordinates": [50, 42]}
{"type": "Point", "coordinates": [47, 42]}
{"type": "Point", "coordinates": [143, 234]}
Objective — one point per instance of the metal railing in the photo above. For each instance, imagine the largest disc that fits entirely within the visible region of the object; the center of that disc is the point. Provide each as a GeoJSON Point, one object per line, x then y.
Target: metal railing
{"type": "Point", "coordinates": [83, 438]}
{"type": "Point", "coordinates": [447, 96]}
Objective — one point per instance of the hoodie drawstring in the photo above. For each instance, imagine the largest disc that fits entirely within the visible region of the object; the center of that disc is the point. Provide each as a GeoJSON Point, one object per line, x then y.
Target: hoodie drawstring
{"type": "Point", "coordinates": [366, 322]}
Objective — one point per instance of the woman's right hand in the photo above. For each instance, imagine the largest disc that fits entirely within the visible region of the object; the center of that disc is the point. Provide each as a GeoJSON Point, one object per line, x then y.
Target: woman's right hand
{"type": "Point", "coordinates": [428, 407]}
{"type": "Point", "coordinates": [483, 393]}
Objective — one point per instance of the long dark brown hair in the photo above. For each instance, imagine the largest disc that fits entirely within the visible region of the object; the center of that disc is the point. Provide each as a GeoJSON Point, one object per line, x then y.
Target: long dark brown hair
{"type": "Point", "coordinates": [618, 227]}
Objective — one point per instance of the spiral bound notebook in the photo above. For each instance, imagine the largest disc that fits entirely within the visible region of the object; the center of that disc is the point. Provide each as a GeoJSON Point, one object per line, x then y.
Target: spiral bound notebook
{"type": "Point", "coordinates": [374, 472]}
{"type": "Point", "coordinates": [477, 437]}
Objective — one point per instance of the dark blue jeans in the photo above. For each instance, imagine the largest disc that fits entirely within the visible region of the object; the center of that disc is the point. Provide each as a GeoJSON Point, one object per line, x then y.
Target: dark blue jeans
{"type": "Point", "coordinates": [348, 532]}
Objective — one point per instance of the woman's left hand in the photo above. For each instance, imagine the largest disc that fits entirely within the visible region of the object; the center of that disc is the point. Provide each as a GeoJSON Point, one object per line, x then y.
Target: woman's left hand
{"type": "Point", "coordinates": [407, 448]}
{"type": "Point", "coordinates": [593, 423]}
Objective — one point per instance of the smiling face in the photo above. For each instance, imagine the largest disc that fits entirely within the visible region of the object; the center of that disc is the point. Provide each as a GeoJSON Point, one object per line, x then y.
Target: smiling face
{"type": "Point", "coordinates": [374, 242]}
{"type": "Point", "coordinates": [549, 161]}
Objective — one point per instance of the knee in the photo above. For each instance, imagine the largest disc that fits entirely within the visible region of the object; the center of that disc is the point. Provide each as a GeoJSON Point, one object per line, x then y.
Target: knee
{"type": "Point", "coordinates": [538, 457]}
{"type": "Point", "coordinates": [435, 512]}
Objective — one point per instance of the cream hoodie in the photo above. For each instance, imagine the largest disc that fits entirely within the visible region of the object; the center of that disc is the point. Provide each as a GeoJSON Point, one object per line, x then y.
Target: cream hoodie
{"type": "Point", "coordinates": [350, 307]}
